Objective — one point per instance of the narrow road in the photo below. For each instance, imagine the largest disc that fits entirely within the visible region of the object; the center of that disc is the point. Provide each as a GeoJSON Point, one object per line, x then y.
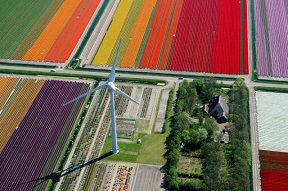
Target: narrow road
{"type": "Point", "coordinates": [254, 140]}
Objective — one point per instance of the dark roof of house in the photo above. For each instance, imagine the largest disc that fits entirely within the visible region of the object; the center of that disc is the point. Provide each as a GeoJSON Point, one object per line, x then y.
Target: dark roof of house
{"type": "Point", "coordinates": [218, 107]}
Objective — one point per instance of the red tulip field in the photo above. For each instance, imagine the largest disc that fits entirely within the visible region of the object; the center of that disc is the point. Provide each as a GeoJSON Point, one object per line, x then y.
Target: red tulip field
{"type": "Point", "coordinates": [274, 170]}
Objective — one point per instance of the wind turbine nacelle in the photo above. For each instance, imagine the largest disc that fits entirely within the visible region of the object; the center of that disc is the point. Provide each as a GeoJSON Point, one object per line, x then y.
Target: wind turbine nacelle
{"type": "Point", "coordinates": [110, 86]}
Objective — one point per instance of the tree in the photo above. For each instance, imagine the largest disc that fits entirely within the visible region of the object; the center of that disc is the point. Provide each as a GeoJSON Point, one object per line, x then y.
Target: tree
{"type": "Point", "coordinates": [210, 126]}
{"type": "Point", "coordinates": [215, 173]}
{"type": "Point", "coordinates": [171, 182]}
{"type": "Point", "coordinates": [181, 122]}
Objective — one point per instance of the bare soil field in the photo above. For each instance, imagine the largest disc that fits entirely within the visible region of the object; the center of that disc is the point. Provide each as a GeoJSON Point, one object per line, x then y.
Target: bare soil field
{"type": "Point", "coordinates": [148, 178]}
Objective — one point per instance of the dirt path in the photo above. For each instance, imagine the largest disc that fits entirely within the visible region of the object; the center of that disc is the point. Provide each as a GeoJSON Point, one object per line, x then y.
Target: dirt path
{"type": "Point", "coordinates": [254, 141]}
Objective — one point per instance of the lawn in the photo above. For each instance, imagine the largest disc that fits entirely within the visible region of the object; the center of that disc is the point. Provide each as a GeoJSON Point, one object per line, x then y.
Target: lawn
{"type": "Point", "coordinates": [149, 151]}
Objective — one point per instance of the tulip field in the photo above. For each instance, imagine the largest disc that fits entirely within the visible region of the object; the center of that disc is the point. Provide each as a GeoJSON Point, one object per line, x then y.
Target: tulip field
{"type": "Point", "coordinates": [273, 147]}
{"type": "Point", "coordinates": [208, 36]}
{"type": "Point", "coordinates": [34, 127]}
{"type": "Point", "coordinates": [271, 37]}
{"type": "Point", "coordinates": [43, 31]}
{"type": "Point", "coordinates": [182, 35]}
{"type": "Point", "coordinates": [274, 170]}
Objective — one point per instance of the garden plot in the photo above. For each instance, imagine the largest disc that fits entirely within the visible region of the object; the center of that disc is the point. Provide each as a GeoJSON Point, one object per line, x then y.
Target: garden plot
{"type": "Point", "coordinates": [272, 121]}
{"type": "Point", "coordinates": [190, 165]}
{"type": "Point", "coordinates": [126, 129]}
{"type": "Point", "coordinates": [148, 178]}
{"type": "Point", "coordinates": [144, 102]}
{"type": "Point", "coordinates": [132, 108]}
{"type": "Point", "coordinates": [118, 176]}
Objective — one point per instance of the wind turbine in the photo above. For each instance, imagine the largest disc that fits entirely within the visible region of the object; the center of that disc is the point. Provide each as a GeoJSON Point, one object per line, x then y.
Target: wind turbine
{"type": "Point", "coordinates": [112, 88]}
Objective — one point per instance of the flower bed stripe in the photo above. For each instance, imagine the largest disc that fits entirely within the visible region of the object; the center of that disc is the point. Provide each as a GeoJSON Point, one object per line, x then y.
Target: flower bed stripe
{"type": "Point", "coordinates": [51, 32]}
{"type": "Point", "coordinates": [7, 85]}
{"type": "Point", "coordinates": [170, 36]}
{"type": "Point", "coordinates": [36, 30]}
{"type": "Point", "coordinates": [16, 20]}
{"type": "Point", "coordinates": [274, 170]}
{"type": "Point", "coordinates": [112, 34]}
{"type": "Point", "coordinates": [158, 29]}
{"type": "Point", "coordinates": [25, 155]}
{"type": "Point", "coordinates": [125, 33]}
{"type": "Point", "coordinates": [208, 38]}
{"type": "Point", "coordinates": [18, 108]}
{"type": "Point", "coordinates": [271, 35]}
{"type": "Point", "coordinates": [138, 34]}
{"type": "Point", "coordinates": [66, 42]}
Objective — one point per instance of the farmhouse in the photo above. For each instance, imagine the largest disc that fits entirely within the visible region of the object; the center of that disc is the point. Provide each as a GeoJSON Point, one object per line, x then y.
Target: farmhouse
{"type": "Point", "coordinates": [218, 108]}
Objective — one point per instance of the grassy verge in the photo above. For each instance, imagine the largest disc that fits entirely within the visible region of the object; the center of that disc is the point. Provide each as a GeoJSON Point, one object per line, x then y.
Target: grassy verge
{"type": "Point", "coordinates": [28, 65]}
{"type": "Point", "coordinates": [152, 149]}
{"type": "Point", "coordinates": [149, 151]}
{"type": "Point", "coordinates": [269, 89]}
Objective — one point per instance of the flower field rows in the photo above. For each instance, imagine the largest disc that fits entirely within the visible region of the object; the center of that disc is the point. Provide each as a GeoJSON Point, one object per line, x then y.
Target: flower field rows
{"type": "Point", "coordinates": [273, 147]}
{"type": "Point", "coordinates": [137, 34]}
{"type": "Point", "coordinates": [182, 35]}
{"type": "Point", "coordinates": [274, 170]}
{"type": "Point", "coordinates": [208, 38]}
{"type": "Point", "coordinates": [271, 34]}
{"type": "Point", "coordinates": [195, 36]}
{"type": "Point", "coordinates": [158, 30]}
{"type": "Point", "coordinates": [111, 37]}
{"type": "Point", "coordinates": [44, 32]}
{"type": "Point", "coordinates": [18, 108]}
{"type": "Point", "coordinates": [39, 130]}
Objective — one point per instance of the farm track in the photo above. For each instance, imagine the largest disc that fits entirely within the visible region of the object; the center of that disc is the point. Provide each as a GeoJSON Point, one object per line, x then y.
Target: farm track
{"type": "Point", "coordinates": [104, 15]}
{"type": "Point", "coordinates": [80, 154]}
{"type": "Point", "coordinates": [7, 85]}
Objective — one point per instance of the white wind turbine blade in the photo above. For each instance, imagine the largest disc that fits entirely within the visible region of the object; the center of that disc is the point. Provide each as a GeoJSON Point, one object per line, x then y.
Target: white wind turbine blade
{"type": "Point", "coordinates": [117, 90]}
{"type": "Point", "coordinates": [112, 74]}
{"type": "Point", "coordinates": [113, 124]}
{"type": "Point", "coordinates": [87, 93]}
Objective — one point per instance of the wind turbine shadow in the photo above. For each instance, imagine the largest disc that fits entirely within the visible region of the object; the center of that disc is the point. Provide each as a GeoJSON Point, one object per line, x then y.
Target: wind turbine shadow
{"type": "Point", "coordinates": [55, 176]}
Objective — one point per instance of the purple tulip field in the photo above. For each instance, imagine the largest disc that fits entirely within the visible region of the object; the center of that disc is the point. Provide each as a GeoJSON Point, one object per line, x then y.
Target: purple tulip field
{"type": "Point", "coordinates": [36, 145]}
{"type": "Point", "coordinates": [272, 37]}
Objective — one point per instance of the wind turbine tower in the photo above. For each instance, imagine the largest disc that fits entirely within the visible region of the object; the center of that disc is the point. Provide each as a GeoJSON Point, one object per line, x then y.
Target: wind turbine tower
{"type": "Point", "coordinates": [112, 89]}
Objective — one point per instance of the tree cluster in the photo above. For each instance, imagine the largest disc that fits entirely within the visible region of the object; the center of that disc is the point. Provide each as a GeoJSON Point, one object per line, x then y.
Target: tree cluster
{"type": "Point", "coordinates": [221, 171]}
{"type": "Point", "coordinates": [240, 145]}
